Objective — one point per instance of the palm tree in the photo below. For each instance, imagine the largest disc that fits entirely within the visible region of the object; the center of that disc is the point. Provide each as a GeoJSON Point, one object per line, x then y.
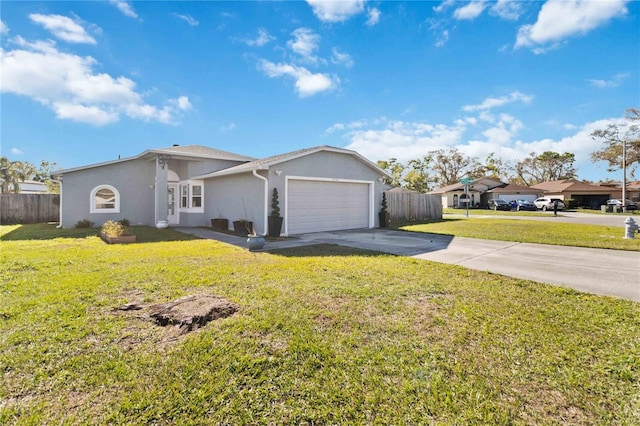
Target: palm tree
{"type": "Point", "coordinates": [12, 173]}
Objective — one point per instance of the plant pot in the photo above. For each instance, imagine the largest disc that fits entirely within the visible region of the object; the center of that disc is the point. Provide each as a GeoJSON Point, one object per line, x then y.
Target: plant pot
{"type": "Point", "coordinates": [220, 224]}
{"type": "Point", "coordinates": [255, 242]}
{"type": "Point", "coordinates": [242, 227]}
{"type": "Point", "coordinates": [122, 239]}
{"type": "Point", "coordinates": [384, 219]}
{"type": "Point", "coordinates": [162, 224]}
{"type": "Point", "coordinates": [275, 226]}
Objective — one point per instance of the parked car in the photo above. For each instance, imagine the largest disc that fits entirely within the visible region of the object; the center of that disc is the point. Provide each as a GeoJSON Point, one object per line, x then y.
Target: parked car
{"type": "Point", "coordinates": [618, 203]}
{"type": "Point", "coordinates": [525, 205]}
{"type": "Point", "coordinates": [498, 204]}
{"type": "Point", "coordinates": [546, 203]}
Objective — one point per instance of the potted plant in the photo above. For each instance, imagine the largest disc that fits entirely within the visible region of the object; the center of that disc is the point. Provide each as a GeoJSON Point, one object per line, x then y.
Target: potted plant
{"type": "Point", "coordinates": [116, 233]}
{"type": "Point", "coordinates": [220, 224]}
{"type": "Point", "coordinates": [255, 241]}
{"type": "Point", "coordinates": [242, 226]}
{"type": "Point", "coordinates": [275, 220]}
{"type": "Point", "coordinates": [383, 215]}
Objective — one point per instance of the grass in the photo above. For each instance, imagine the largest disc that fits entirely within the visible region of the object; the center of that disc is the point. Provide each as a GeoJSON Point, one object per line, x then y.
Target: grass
{"type": "Point", "coordinates": [325, 335]}
{"type": "Point", "coordinates": [487, 212]}
{"type": "Point", "coordinates": [530, 231]}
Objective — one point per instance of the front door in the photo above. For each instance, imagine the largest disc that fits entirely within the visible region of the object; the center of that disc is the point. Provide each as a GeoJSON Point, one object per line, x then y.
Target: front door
{"type": "Point", "coordinates": [172, 206]}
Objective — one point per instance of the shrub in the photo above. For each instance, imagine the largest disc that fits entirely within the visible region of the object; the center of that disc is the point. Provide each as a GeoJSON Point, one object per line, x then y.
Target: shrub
{"type": "Point", "coordinates": [113, 229]}
{"type": "Point", "coordinates": [125, 223]}
{"type": "Point", "coordinates": [84, 223]}
{"type": "Point", "coordinates": [275, 204]}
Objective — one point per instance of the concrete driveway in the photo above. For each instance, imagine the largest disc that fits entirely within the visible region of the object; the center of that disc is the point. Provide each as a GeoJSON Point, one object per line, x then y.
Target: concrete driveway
{"type": "Point", "coordinates": [598, 271]}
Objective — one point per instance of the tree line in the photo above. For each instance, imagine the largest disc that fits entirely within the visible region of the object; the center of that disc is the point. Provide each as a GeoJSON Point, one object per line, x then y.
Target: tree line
{"type": "Point", "coordinates": [442, 167]}
{"type": "Point", "coordinates": [12, 173]}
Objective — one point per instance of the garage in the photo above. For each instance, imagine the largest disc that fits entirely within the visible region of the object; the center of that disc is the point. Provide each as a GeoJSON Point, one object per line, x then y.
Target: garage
{"type": "Point", "coordinates": [317, 205]}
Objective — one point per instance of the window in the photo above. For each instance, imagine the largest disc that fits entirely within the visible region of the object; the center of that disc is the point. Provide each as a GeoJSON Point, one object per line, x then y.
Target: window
{"type": "Point", "coordinates": [191, 196]}
{"type": "Point", "coordinates": [105, 199]}
{"type": "Point", "coordinates": [196, 196]}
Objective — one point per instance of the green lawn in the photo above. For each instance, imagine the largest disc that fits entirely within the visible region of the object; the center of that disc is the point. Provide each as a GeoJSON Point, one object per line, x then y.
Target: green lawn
{"type": "Point", "coordinates": [531, 231]}
{"type": "Point", "coordinates": [324, 335]}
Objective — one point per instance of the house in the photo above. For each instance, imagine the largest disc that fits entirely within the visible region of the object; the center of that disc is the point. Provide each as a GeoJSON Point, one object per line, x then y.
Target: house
{"type": "Point", "coordinates": [30, 187]}
{"type": "Point", "coordinates": [481, 190]}
{"type": "Point", "coordinates": [320, 189]}
{"type": "Point", "coordinates": [584, 194]}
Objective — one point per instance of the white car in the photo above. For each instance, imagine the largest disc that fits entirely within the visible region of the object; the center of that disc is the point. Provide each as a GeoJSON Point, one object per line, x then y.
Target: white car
{"type": "Point", "coordinates": [546, 203]}
{"type": "Point", "coordinates": [618, 203]}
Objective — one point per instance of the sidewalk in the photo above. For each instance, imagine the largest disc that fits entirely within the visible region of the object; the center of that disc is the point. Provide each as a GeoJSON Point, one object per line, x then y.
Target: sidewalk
{"type": "Point", "coordinates": [598, 271]}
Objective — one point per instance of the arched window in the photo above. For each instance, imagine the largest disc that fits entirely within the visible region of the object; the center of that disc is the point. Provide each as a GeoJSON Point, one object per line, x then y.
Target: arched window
{"type": "Point", "coordinates": [105, 199]}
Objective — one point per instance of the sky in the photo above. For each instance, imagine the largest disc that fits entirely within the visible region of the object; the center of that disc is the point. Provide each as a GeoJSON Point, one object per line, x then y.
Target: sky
{"type": "Point", "coordinates": [87, 82]}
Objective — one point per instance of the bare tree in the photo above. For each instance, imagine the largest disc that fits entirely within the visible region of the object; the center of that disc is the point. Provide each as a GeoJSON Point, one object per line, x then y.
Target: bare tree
{"type": "Point", "coordinates": [451, 165]}
{"type": "Point", "coordinates": [617, 136]}
{"type": "Point", "coordinates": [545, 167]}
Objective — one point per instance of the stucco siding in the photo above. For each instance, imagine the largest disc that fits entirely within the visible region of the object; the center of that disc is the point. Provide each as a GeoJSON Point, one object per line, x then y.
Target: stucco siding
{"type": "Point", "coordinates": [235, 197]}
{"type": "Point", "coordinates": [330, 165]}
{"type": "Point", "coordinates": [134, 181]}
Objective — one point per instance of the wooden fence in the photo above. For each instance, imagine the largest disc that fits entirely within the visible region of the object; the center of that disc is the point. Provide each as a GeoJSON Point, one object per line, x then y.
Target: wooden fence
{"type": "Point", "coordinates": [413, 206]}
{"type": "Point", "coordinates": [29, 208]}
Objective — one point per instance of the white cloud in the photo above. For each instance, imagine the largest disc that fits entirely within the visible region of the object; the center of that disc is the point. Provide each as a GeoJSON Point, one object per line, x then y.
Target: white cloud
{"type": "Point", "coordinates": [63, 28]}
{"type": "Point", "coordinates": [442, 40]}
{"type": "Point", "coordinates": [188, 19]}
{"type": "Point", "coordinates": [124, 7]}
{"type": "Point", "coordinates": [305, 43]}
{"type": "Point", "coordinates": [559, 19]}
{"type": "Point", "coordinates": [490, 103]}
{"type": "Point", "coordinates": [307, 83]}
{"type": "Point", "coordinates": [4, 29]}
{"type": "Point", "coordinates": [471, 10]}
{"type": "Point", "coordinates": [227, 127]}
{"type": "Point", "coordinates": [613, 82]}
{"type": "Point", "coordinates": [442, 6]}
{"type": "Point", "coordinates": [16, 151]}
{"type": "Point", "coordinates": [338, 57]}
{"type": "Point", "coordinates": [263, 38]}
{"type": "Point", "coordinates": [336, 11]}
{"type": "Point", "coordinates": [508, 9]}
{"type": "Point", "coordinates": [399, 139]}
{"type": "Point", "coordinates": [382, 139]}
{"type": "Point", "coordinates": [68, 85]}
{"type": "Point", "coordinates": [374, 16]}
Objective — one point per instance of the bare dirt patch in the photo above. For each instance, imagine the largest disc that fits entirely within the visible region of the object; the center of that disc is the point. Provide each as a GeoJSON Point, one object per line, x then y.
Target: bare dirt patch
{"type": "Point", "coordinates": [192, 312]}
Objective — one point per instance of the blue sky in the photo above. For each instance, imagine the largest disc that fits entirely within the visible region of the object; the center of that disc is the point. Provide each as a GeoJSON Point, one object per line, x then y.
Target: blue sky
{"type": "Point", "coordinates": [86, 82]}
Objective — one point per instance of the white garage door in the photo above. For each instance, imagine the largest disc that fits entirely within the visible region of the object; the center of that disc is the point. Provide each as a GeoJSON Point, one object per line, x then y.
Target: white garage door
{"type": "Point", "coordinates": [315, 206]}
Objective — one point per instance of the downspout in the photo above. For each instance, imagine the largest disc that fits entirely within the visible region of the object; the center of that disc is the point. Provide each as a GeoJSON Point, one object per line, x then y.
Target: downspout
{"type": "Point", "coordinates": [59, 182]}
{"type": "Point", "coordinates": [266, 200]}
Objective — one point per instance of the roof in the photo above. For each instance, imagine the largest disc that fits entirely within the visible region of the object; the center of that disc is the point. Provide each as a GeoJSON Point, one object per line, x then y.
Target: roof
{"type": "Point", "coordinates": [192, 152]}
{"type": "Point", "coordinates": [459, 186]}
{"type": "Point", "coordinates": [512, 187]}
{"type": "Point", "coordinates": [570, 185]}
{"type": "Point", "coordinates": [265, 163]}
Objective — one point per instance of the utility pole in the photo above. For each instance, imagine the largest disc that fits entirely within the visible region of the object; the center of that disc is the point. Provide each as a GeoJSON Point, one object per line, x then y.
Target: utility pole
{"type": "Point", "coordinates": [624, 176]}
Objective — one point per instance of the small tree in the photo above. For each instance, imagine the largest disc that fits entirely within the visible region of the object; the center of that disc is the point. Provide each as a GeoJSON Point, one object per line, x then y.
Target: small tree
{"type": "Point", "coordinates": [275, 204]}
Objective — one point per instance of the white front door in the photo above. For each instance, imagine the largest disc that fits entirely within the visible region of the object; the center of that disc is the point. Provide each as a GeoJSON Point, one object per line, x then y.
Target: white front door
{"type": "Point", "coordinates": [172, 205]}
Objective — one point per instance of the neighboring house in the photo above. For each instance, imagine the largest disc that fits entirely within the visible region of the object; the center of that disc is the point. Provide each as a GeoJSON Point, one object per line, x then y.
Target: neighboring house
{"type": "Point", "coordinates": [633, 189]}
{"type": "Point", "coordinates": [509, 192]}
{"type": "Point", "coordinates": [585, 194]}
{"type": "Point", "coordinates": [482, 190]}
{"type": "Point", "coordinates": [321, 189]}
{"type": "Point", "coordinates": [31, 187]}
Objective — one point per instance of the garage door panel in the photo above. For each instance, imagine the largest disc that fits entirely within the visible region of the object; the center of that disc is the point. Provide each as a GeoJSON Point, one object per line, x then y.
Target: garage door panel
{"type": "Point", "coordinates": [315, 206]}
